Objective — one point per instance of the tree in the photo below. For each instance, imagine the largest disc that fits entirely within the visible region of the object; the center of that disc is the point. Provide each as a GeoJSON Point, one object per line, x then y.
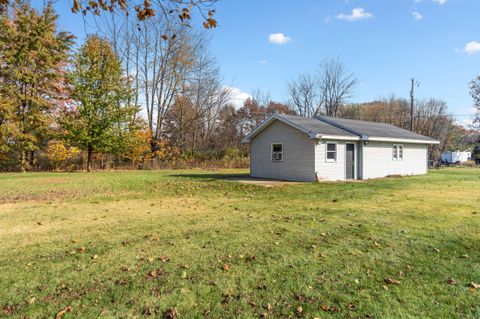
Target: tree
{"type": "Point", "coordinates": [33, 56]}
{"type": "Point", "coordinates": [336, 85]}
{"type": "Point", "coordinates": [475, 93]}
{"type": "Point", "coordinates": [143, 9]}
{"type": "Point", "coordinates": [99, 119]}
{"type": "Point", "coordinates": [278, 108]}
{"type": "Point", "coordinates": [304, 95]}
{"type": "Point", "coordinates": [325, 93]}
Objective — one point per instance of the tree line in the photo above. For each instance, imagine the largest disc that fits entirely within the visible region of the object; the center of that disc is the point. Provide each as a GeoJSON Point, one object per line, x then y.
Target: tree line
{"type": "Point", "coordinates": [146, 92]}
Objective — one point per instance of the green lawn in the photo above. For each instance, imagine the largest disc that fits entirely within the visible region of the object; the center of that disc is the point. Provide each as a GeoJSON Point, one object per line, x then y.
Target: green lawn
{"type": "Point", "coordinates": [158, 243]}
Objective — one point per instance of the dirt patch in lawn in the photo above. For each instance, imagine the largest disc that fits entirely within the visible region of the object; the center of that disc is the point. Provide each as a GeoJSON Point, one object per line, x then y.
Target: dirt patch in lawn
{"type": "Point", "coordinates": [260, 181]}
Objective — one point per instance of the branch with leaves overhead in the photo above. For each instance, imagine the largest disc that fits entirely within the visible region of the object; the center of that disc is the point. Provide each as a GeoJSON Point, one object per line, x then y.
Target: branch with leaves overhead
{"type": "Point", "coordinates": [147, 8]}
{"type": "Point", "coordinates": [144, 9]}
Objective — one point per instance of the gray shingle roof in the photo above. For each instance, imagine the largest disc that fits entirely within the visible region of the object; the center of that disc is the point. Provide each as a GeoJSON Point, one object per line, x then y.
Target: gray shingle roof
{"type": "Point", "coordinates": [333, 126]}
{"type": "Point", "coordinates": [374, 129]}
{"type": "Point", "coordinates": [315, 126]}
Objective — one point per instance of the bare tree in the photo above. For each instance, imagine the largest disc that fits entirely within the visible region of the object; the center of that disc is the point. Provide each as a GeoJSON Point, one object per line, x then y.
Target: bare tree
{"type": "Point", "coordinates": [304, 96]}
{"type": "Point", "coordinates": [336, 85]}
{"type": "Point", "coordinates": [475, 93]}
{"type": "Point", "coordinates": [261, 98]}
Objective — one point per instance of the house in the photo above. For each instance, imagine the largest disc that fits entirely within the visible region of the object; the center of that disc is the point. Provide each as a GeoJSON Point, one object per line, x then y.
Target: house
{"type": "Point", "coordinates": [455, 157]}
{"type": "Point", "coordinates": [324, 148]}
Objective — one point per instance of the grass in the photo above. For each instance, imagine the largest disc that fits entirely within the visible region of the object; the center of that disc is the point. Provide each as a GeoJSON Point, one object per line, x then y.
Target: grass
{"type": "Point", "coordinates": [99, 243]}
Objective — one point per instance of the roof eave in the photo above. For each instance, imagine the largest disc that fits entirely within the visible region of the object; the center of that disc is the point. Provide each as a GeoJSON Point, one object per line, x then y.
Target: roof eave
{"type": "Point", "coordinates": [267, 122]}
{"type": "Point", "coordinates": [337, 137]}
{"type": "Point", "coordinates": [402, 140]}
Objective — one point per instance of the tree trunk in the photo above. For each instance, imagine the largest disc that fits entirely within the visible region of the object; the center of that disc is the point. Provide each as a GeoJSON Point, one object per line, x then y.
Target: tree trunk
{"type": "Point", "coordinates": [31, 159]}
{"type": "Point", "coordinates": [23, 162]}
{"type": "Point", "coordinates": [89, 158]}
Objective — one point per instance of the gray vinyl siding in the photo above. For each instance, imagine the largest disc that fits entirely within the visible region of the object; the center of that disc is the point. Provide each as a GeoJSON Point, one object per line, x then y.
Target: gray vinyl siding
{"type": "Point", "coordinates": [378, 160]}
{"type": "Point", "coordinates": [298, 154]}
{"type": "Point", "coordinates": [333, 171]}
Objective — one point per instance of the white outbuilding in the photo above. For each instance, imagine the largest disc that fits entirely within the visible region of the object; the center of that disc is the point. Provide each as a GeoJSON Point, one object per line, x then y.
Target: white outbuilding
{"type": "Point", "coordinates": [456, 157]}
{"type": "Point", "coordinates": [324, 148]}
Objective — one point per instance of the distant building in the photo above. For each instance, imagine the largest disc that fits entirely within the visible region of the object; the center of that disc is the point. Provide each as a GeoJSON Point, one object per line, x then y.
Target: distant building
{"type": "Point", "coordinates": [455, 157]}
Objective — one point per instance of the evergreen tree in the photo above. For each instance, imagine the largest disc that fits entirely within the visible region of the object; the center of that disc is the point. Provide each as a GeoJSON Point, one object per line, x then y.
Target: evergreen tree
{"type": "Point", "coordinates": [99, 120]}
{"type": "Point", "coordinates": [33, 55]}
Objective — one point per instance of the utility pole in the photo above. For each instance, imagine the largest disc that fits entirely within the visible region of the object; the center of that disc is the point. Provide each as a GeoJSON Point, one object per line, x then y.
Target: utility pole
{"type": "Point", "coordinates": [412, 99]}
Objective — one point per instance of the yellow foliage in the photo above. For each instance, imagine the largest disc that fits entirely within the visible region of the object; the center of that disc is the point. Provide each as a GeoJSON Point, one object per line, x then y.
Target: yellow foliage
{"type": "Point", "coordinates": [57, 153]}
{"type": "Point", "coordinates": [139, 148]}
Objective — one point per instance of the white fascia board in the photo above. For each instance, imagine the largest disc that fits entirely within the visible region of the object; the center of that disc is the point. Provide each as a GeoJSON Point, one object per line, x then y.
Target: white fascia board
{"type": "Point", "coordinates": [259, 128]}
{"type": "Point", "coordinates": [337, 137]}
{"type": "Point", "coordinates": [402, 140]}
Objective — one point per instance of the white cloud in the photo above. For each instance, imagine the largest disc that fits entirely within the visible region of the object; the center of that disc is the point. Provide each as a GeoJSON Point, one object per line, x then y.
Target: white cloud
{"type": "Point", "coordinates": [417, 15]}
{"type": "Point", "coordinates": [278, 38]}
{"type": "Point", "coordinates": [357, 14]}
{"type": "Point", "coordinates": [472, 47]}
{"type": "Point", "coordinates": [237, 97]}
{"type": "Point", "coordinates": [440, 2]}
{"type": "Point", "coordinates": [263, 61]}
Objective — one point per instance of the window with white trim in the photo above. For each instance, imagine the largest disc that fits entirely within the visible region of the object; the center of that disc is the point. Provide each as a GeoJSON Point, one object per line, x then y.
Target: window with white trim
{"type": "Point", "coordinates": [277, 152]}
{"type": "Point", "coordinates": [331, 152]}
{"type": "Point", "coordinates": [397, 152]}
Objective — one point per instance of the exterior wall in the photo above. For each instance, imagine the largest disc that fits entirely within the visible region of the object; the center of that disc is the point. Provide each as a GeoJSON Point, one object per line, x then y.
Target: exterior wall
{"type": "Point", "coordinates": [298, 154]}
{"type": "Point", "coordinates": [333, 171]}
{"type": "Point", "coordinates": [378, 161]}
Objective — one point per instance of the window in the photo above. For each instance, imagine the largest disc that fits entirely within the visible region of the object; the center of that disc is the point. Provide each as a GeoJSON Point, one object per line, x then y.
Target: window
{"type": "Point", "coordinates": [397, 152]}
{"type": "Point", "coordinates": [277, 152]}
{"type": "Point", "coordinates": [331, 152]}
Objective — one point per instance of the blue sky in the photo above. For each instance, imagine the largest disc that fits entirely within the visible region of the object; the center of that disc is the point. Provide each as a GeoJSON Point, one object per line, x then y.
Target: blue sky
{"type": "Point", "coordinates": [383, 42]}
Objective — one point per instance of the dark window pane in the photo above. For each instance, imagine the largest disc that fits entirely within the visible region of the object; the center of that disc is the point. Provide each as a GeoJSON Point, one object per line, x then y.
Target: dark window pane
{"type": "Point", "coordinates": [277, 147]}
{"type": "Point", "coordinates": [331, 147]}
{"type": "Point", "coordinates": [331, 155]}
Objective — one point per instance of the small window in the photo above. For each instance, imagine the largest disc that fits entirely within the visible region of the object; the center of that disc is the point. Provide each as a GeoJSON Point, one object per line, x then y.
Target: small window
{"type": "Point", "coordinates": [277, 152]}
{"type": "Point", "coordinates": [331, 152]}
{"type": "Point", "coordinates": [397, 152]}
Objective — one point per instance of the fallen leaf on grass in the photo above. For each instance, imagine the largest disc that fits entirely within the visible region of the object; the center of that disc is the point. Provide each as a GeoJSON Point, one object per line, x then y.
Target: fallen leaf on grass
{"type": "Point", "coordinates": [62, 312]}
{"type": "Point", "coordinates": [226, 267]}
{"type": "Point", "coordinates": [325, 307]}
{"type": "Point", "coordinates": [121, 282]}
{"type": "Point", "coordinates": [164, 258]}
{"type": "Point", "coordinates": [81, 249]}
{"type": "Point", "coordinates": [147, 312]}
{"type": "Point", "coordinates": [8, 309]}
{"type": "Point", "coordinates": [465, 256]}
{"type": "Point", "coordinates": [474, 285]}
{"type": "Point", "coordinates": [390, 281]}
{"type": "Point", "coordinates": [155, 273]}
{"type": "Point", "coordinates": [452, 282]}
{"type": "Point", "coordinates": [171, 314]}
{"type": "Point", "coordinates": [436, 250]}
{"type": "Point", "coordinates": [299, 309]}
